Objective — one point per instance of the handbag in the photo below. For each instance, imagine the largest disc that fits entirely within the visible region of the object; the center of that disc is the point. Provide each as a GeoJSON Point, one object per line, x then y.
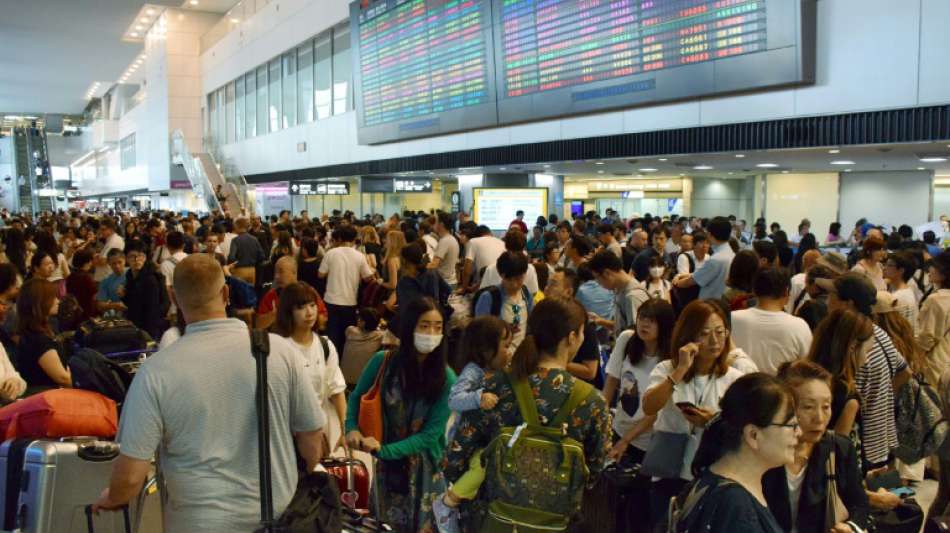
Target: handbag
{"type": "Point", "coordinates": [315, 506]}
{"type": "Point", "coordinates": [907, 517]}
{"type": "Point", "coordinates": [370, 420]}
{"type": "Point", "coordinates": [835, 510]}
{"type": "Point", "coordinates": [664, 459]}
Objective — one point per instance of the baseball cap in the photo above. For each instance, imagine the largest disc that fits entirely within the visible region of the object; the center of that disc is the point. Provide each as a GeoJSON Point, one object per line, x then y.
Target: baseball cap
{"type": "Point", "coordinates": [834, 261]}
{"type": "Point", "coordinates": [852, 287]}
{"type": "Point", "coordinates": [886, 303]}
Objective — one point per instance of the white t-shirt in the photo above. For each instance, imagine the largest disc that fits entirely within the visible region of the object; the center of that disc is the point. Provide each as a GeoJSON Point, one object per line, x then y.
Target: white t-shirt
{"type": "Point", "coordinates": [327, 380]}
{"type": "Point", "coordinates": [345, 267]}
{"type": "Point", "coordinates": [431, 242]}
{"type": "Point", "coordinates": [795, 482]}
{"type": "Point", "coordinates": [770, 337]}
{"type": "Point", "coordinates": [702, 391]}
{"type": "Point", "coordinates": [484, 251]}
{"type": "Point", "coordinates": [114, 241]}
{"type": "Point", "coordinates": [682, 262]}
{"type": "Point", "coordinates": [798, 285]}
{"type": "Point", "coordinates": [492, 277]}
{"type": "Point", "coordinates": [168, 266]}
{"type": "Point", "coordinates": [514, 312]}
{"type": "Point", "coordinates": [634, 381]}
{"type": "Point", "coordinates": [907, 304]}
{"type": "Point", "coordinates": [659, 289]}
{"type": "Point", "coordinates": [447, 249]}
{"type": "Point", "coordinates": [61, 267]}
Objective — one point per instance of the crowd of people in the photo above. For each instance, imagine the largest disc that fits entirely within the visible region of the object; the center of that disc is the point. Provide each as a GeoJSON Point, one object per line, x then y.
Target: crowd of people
{"type": "Point", "coordinates": [734, 366]}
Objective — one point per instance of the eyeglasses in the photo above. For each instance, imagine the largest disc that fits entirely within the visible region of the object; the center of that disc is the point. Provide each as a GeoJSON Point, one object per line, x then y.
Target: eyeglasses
{"type": "Point", "coordinates": [793, 424]}
{"type": "Point", "coordinates": [708, 333]}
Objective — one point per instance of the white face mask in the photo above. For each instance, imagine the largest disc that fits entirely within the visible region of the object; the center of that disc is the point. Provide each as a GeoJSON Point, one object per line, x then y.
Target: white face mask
{"type": "Point", "coordinates": [425, 343]}
{"type": "Point", "coordinates": [656, 272]}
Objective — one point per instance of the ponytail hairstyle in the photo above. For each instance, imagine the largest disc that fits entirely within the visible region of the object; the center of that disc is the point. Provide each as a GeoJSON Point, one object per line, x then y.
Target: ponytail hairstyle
{"type": "Point", "coordinates": [753, 399]}
{"type": "Point", "coordinates": [551, 321]}
{"type": "Point", "coordinates": [661, 312]}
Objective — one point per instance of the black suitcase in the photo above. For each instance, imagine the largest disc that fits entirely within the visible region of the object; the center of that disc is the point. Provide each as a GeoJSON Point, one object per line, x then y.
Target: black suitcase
{"type": "Point", "coordinates": [618, 502]}
{"type": "Point", "coordinates": [108, 336]}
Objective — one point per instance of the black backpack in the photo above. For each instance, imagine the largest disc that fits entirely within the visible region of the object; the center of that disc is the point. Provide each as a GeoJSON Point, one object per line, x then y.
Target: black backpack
{"type": "Point", "coordinates": [94, 372]}
{"type": "Point", "coordinates": [496, 299]}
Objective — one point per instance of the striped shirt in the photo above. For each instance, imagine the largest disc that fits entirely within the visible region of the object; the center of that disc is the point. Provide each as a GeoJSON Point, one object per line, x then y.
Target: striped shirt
{"type": "Point", "coordinates": [874, 383]}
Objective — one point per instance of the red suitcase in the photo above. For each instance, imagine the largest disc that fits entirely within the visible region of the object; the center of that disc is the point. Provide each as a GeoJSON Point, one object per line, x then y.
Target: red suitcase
{"type": "Point", "coordinates": [353, 479]}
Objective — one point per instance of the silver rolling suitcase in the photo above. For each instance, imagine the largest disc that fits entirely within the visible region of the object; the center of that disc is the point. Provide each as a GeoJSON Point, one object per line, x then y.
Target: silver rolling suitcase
{"type": "Point", "coordinates": [56, 485]}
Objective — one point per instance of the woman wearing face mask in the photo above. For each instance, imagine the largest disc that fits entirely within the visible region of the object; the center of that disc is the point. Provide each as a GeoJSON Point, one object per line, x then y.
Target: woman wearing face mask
{"type": "Point", "coordinates": [554, 334]}
{"type": "Point", "coordinates": [798, 492]}
{"type": "Point", "coordinates": [755, 431]}
{"type": "Point", "coordinates": [415, 385]}
{"type": "Point", "coordinates": [657, 285]}
{"type": "Point", "coordinates": [685, 389]}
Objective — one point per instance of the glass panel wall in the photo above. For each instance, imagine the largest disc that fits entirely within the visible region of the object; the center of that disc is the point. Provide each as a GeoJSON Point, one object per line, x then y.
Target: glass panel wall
{"type": "Point", "coordinates": [250, 116]}
{"type": "Point", "coordinates": [262, 99]}
{"type": "Point", "coordinates": [222, 124]}
{"type": "Point", "coordinates": [229, 111]}
{"type": "Point", "coordinates": [322, 76]}
{"type": "Point", "coordinates": [239, 109]}
{"type": "Point", "coordinates": [213, 116]}
{"type": "Point", "coordinates": [290, 90]}
{"type": "Point", "coordinates": [342, 71]}
{"type": "Point", "coordinates": [305, 82]}
{"type": "Point", "coordinates": [273, 79]}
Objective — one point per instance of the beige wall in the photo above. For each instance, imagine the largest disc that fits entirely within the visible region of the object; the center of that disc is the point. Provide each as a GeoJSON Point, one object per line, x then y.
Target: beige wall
{"type": "Point", "coordinates": [792, 197]}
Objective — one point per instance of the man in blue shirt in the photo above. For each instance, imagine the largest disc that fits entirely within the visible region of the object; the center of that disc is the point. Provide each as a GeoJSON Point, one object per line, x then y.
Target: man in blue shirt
{"type": "Point", "coordinates": [111, 289]}
{"type": "Point", "coordinates": [930, 239]}
{"type": "Point", "coordinates": [711, 277]}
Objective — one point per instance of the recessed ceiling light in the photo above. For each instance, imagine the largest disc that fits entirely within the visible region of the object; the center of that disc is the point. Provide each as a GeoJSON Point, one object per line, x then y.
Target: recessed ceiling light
{"type": "Point", "coordinates": [600, 171]}
{"type": "Point", "coordinates": [740, 156]}
{"type": "Point", "coordinates": [503, 168]}
{"type": "Point", "coordinates": [133, 34]}
{"type": "Point", "coordinates": [767, 165]}
{"type": "Point", "coordinates": [845, 162]}
{"type": "Point", "coordinates": [784, 172]}
{"type": "Point", "coordinates": [731, 173]}
{"type": "Point", "coordinates": [144, 19]}
{"type": "Point", "coordinates": [235, 20]}
{"type": "Point", "coordinates": [149, 11]}
{"type": "Point", "coordinates": [664, 159]}
{"type": "Point", "coordinates": [599, 163]}
{"type": "Point", "coordinates": [193, 2]}
{"type": "Point", "coordinates": [933, 159]}
{"type": "Point", "coordinates": [702, 167]}
{"type": "Point", "coordinates": [834, 151]}
{"type": "Point", "coordinates": [921, 168]}
{"type": "Point", "coordinates": [139, 27]}
{"type": "Point", "coordinates": [547, 166]}
{"type": "Point", "coordinates": [648, 170]}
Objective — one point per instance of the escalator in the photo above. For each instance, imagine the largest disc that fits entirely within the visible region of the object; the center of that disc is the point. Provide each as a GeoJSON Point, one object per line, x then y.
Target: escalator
{"type": "Point", "coordinates": [206, 177]}
{"type": "Point", "coordinates": [31, 158]}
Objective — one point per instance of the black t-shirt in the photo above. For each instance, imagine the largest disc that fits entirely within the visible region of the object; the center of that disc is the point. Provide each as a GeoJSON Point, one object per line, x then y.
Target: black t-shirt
{"type": "Point", "coordinates": [589, 351]}
{"type": "Point", "coordinates": [840, 396]}
{"type": "Point", "coordinates": [727, 507]}
{"type": "Point", "coordinates": [32, 346]}
{"type": "Point", "coordinates": [307, 272]}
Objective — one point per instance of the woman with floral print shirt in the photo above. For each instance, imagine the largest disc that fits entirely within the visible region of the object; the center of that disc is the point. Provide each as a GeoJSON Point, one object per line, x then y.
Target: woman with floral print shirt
{"type": "Point", "coordinates": [555, 332]}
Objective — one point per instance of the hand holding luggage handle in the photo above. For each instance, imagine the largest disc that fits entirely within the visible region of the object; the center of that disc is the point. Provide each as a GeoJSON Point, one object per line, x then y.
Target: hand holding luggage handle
{"type": "Point", "coordinates": [90, 527]}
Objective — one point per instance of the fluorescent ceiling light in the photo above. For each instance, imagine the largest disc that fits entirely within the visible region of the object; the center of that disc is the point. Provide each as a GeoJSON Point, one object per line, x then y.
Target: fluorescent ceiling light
{"type": "Point", "coordinates": [664, 159]}
{"type": "Point", "coordinates": [767, 165]}
{"type": "Point", "coordinates": [133, 34]}
{"type": "Point", "coordinates": [784, 172]}
{"type": "Point", "coordinates": [702, 167]}
{"type": "Point", "coordinates": [847, 170]}
{"type": "Point", "coordinates": [599, 163]}
{"type": "Point", "coordinates": [740, 156]}
{"type": "Point", "coordinates": [193, 2]}
{"type": "Point", "coordinates": [139, 27]}
{"type": "Point", "coordinates": [149, 11]}
{"type": "Point", "coordinates": [235, 20]}
{"type": "Point", "coordinates": [933, 159]}
{"type": "Point", "coordinates": [844, 162]}
{"type": "Point", "coordinates": [144, 19]}
{"type": "Point", "coordinates": [600, 171]}
{"type": "Point", "coordinates": [834, 151]}
{"type": "Point", "coordinates": [648, 170]}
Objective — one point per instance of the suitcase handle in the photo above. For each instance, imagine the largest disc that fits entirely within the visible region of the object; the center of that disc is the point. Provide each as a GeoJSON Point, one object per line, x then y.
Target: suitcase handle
{"type": "Point", "coordinates": [90, 527]}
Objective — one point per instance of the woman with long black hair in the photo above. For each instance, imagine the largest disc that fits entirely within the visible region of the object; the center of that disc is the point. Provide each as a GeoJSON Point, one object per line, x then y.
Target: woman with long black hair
{"type": "Point", "coordinates": [415, 384]}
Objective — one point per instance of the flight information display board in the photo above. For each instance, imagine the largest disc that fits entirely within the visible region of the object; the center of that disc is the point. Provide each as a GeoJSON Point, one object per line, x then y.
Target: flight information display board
{"type": "Point", "coordinates": [423, 67]}
{"type": "Point", "coordinates": [428, 67]}
{"type": "Point", "coordinates": [560, 57]}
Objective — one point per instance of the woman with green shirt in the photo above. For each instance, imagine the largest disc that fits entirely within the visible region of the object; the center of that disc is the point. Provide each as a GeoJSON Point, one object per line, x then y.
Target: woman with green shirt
{"type": "Point", "coordinates": [415, 391]}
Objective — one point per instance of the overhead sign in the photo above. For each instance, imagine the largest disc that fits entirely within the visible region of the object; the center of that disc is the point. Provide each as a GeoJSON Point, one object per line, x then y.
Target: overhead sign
{"type": "Point", "coordinates": [312, 188]}
{"type": "Point", "coordinates": [413, 185]}
{"type": "Point", "coordinates": [374, 184]}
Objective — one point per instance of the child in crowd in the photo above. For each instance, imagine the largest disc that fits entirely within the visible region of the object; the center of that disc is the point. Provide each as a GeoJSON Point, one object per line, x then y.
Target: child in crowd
{"type": "Point", "coordinates": [486, 344]}
{"type": "Point", "coordinates": [658, 286]}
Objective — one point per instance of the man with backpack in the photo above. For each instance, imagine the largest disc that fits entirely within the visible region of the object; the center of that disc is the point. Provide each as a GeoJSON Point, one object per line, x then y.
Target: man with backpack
{"type": "Point", "coordinates": [629, 294]}
{"type": "Point", "coordinates": [510, 300]}
{"type": "Point", "coordinates": [175, 242]}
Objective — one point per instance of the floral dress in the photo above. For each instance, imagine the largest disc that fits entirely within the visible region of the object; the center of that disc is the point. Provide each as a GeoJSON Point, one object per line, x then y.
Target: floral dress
{"type": "Point", "coordinates": [409, 484]}
{"type": "Point", "coordinates": [590, 425]}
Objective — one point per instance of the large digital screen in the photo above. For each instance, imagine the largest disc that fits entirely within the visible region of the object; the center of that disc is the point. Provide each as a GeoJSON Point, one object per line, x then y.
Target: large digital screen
{"type": "Point", "coordinates": [427, 67]}
{"type": "Point", "coordinates": [423, 67]}
{"type": "Point", "coordinates": [496, 208]}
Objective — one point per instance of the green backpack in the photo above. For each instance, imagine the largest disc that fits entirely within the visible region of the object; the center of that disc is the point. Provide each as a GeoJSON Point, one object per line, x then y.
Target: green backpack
{"type": "Point", "coordinates": [535, 475]}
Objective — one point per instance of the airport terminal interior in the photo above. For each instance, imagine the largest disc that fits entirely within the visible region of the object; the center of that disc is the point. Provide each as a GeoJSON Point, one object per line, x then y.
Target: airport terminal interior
{"type": "Point", "coordinates": [475, 265]}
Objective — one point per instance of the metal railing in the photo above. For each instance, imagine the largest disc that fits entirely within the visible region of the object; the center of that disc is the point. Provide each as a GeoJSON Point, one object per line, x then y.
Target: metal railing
{"type": "Point", "coordinates": [234, 181]}
{"type": "Point", "coordinates": [200, 182]}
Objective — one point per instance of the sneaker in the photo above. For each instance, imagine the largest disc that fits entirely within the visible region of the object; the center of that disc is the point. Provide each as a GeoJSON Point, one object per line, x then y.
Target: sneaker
{"type": "Point", "coordinates": [446, 518]}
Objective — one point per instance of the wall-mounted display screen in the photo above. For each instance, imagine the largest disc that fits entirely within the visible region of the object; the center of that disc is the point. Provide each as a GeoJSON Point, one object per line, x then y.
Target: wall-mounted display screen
{"type": "Point", "coordinates": [496, 208]}
{"type": "Point", "coordinates": [423, 67]}
{"type": "Point", "coordinates": [369, 184]}
{"type": "Point", "coordinates": [561, 57]}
